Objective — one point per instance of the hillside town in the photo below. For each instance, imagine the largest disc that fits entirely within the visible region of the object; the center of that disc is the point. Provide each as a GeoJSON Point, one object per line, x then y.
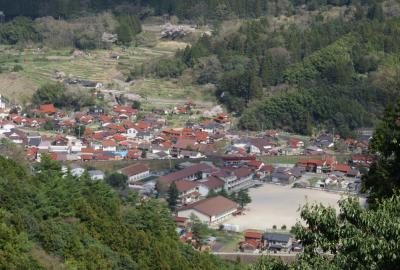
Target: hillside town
{"type": "Point", "coordinates": [215, 160]}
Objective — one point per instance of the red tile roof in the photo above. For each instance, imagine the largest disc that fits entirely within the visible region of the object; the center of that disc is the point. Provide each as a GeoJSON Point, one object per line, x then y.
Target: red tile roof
{"type": "Point", "coordinates": [185, 143]}
{"type": "Point", "coordinates": [212, 206]}
{"type": "Point", "coordinates": [135, 169]}
{"type": "Point", "coordinates": [47, 109]}
{"type": "Point", "coordinates": [108, 143]}
{"type": "Point", "coordinates": [213, 182]}
{"type": "Point", "coordinates": [342, 168]}
{"type": "Point", "coordinates": [118, 137]}
{"type": "Point", "coordinates": [184, 185]}
{"type": "Point", "coordinates": [242, 172]}
{"type": "Point", "coordinates": [180, 219]}
{"type": "Point", "coordinates": [182, 174]}
{"type": "Point", "coordinates": [253, 234]}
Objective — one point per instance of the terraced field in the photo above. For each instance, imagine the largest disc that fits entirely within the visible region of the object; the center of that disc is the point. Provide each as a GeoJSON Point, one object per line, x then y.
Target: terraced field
{"type": "Point", "coordinates": [96, 65]}
{"type": "Point", "coordinates": [42, 65]}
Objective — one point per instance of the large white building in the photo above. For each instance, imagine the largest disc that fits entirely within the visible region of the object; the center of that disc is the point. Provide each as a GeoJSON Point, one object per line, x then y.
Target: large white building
{"type": "Point", "coordinates": [211, 210]}
{"type": "Point", "coordinates": [136, 172]}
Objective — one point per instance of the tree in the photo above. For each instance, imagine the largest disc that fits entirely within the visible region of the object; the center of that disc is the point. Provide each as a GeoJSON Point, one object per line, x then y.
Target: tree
{"type": "Point", "coordinates": [136, 104]}
{"type": "Point", "coordinates": [117, 180]}
{"type": "Point", "coordinates": [353, 239]}
{"type": "Point", "coordinates": [124, 34]}
{"type": "Point", "coordinates": [49, 125]}
{"type": "Point", "coordinates": [79, 130]}
{"type": "Point", "coordinates": [84, 224]}
{"type": "Point", "coordinates": [375, 11]}
{"type": "Point", "coordinates": [49, 93]}
{"type": "Point", "coordinates": [383, 178]}
{"type": "Point", "coordinates": [14, 246]}
{"type": "Point", "coordinates": [268, 263]}
{"type": "Point", "coordinates": [173, 196]}
{"type": "Point", "coordinates": [200, 230]}
{"type": "Point", "coordinates": [243, 198]}
{"type": "Point", "coordinates": [128, 27]}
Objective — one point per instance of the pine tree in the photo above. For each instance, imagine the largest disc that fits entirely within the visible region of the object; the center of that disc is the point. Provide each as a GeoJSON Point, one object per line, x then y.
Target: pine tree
{"type": "Point", "coordinates": [173, 196]}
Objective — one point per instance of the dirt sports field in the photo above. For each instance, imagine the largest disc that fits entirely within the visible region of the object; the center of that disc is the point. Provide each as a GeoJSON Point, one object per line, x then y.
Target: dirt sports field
{"type": "Point", "coordinates": [279, 205]}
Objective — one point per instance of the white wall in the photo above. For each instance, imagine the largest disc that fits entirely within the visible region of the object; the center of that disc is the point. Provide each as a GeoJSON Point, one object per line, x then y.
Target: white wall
{"type": "Point", "coordinates": [139, 176]}
{"type": "Point", "coordinates": [203, 190]}
{"type": "Point", "coordinates": [188, 212]}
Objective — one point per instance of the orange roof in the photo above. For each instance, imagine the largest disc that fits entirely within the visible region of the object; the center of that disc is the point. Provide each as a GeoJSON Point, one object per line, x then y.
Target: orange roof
{"type": "Point", "coordinates": [105, 118]}
{"type": "Point", "coordinates": [342, 168]}
{"type": "Point", "coordinates": [87, 150]}
{"type": "Point", "coordinates": [108, 143]}
{"type": "Point", "coordinates": [119, 137]}
{"type": "Point", "coordinates": [180, 219]}
{"type": "Point", "coordinates": [253, 234]}
{"type": "Point", "coordinates": [86, 157]}
{"type": "Point", "coordinates": [201, 136]}
{"type": "Point", "coordinates": [47, 108]}
{"type": "Point", "coordinates": [142, 125]}
{"type": "Point", "coordinates": [316, 162]}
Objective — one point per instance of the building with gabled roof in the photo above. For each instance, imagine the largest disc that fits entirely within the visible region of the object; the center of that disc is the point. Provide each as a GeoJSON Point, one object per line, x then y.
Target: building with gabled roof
{"type": "Point", "coordinates": [211, 210]}
{"type": "Point", "coordinates": [136, 172]}
{"type": "Point", "coordinates": [192, 173]}
{"type": "Point", "coordinates": [47, 109]}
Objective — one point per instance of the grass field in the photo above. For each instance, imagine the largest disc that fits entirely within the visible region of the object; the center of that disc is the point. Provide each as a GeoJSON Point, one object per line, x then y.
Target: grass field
{"type": "Point", "coordinates": [294, 159]}
{"type": "Point", "coordinates": [155, 165]}
{"type": "Point", "coordinates": [171, 89]}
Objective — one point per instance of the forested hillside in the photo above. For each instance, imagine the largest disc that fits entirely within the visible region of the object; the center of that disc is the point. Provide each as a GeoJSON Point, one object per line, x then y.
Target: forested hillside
{"type": "Point", "coordinates": [184, 9]}
{"type": "Point", "coordinates": [320, 71]}
{"type": "Point", "coordinates": [75, 223]}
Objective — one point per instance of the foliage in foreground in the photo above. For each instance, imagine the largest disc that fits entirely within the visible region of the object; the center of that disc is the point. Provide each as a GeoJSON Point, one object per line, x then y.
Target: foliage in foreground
{"type": "Point", "coordinates": [384, 176]}
{"type": "Point", "coordinates": [85, 224]}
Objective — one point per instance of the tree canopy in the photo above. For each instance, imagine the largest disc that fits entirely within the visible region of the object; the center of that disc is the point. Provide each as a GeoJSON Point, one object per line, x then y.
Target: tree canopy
{"type": "Point", "coordinates": [84, 224]}
{"type": "Point", "coordinates": [383, 178]}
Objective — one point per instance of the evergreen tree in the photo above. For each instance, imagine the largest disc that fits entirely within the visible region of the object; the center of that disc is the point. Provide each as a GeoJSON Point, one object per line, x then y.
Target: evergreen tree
{"type": "Point", "coordinates": [383, 178]}
{"type": "Point", "coordinates": [173, 196]}
{"type": "Point", "coordinates": [117, 180]}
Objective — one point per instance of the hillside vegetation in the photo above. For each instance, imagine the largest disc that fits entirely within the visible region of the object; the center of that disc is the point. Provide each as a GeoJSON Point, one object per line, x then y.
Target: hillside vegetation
{"type": "Point", "coordinates": [80, 224]}
{"type": "Point", "coordinates": [325, 72]}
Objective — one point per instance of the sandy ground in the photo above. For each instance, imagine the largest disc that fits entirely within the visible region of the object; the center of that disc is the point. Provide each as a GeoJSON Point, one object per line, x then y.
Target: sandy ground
{"type": "Point", "coordinates": [279, 205]}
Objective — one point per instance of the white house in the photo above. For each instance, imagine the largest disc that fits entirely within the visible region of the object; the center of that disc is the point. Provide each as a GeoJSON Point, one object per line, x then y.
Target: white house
{"type": "Point", "coordinates": [131, 132]}
{"type": "Point", "coordinates": [188, 191]}
{"type": "Point", "coordinates": [96, 175]}
{"type": "Point", "coordinates": [109, 146]}
{"type": "Point", "coordinates": [211, 210]}
{"type": "Point", "coordinates": [136, 172]}
{"type": "Point", "coordinates": [77, 171]}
